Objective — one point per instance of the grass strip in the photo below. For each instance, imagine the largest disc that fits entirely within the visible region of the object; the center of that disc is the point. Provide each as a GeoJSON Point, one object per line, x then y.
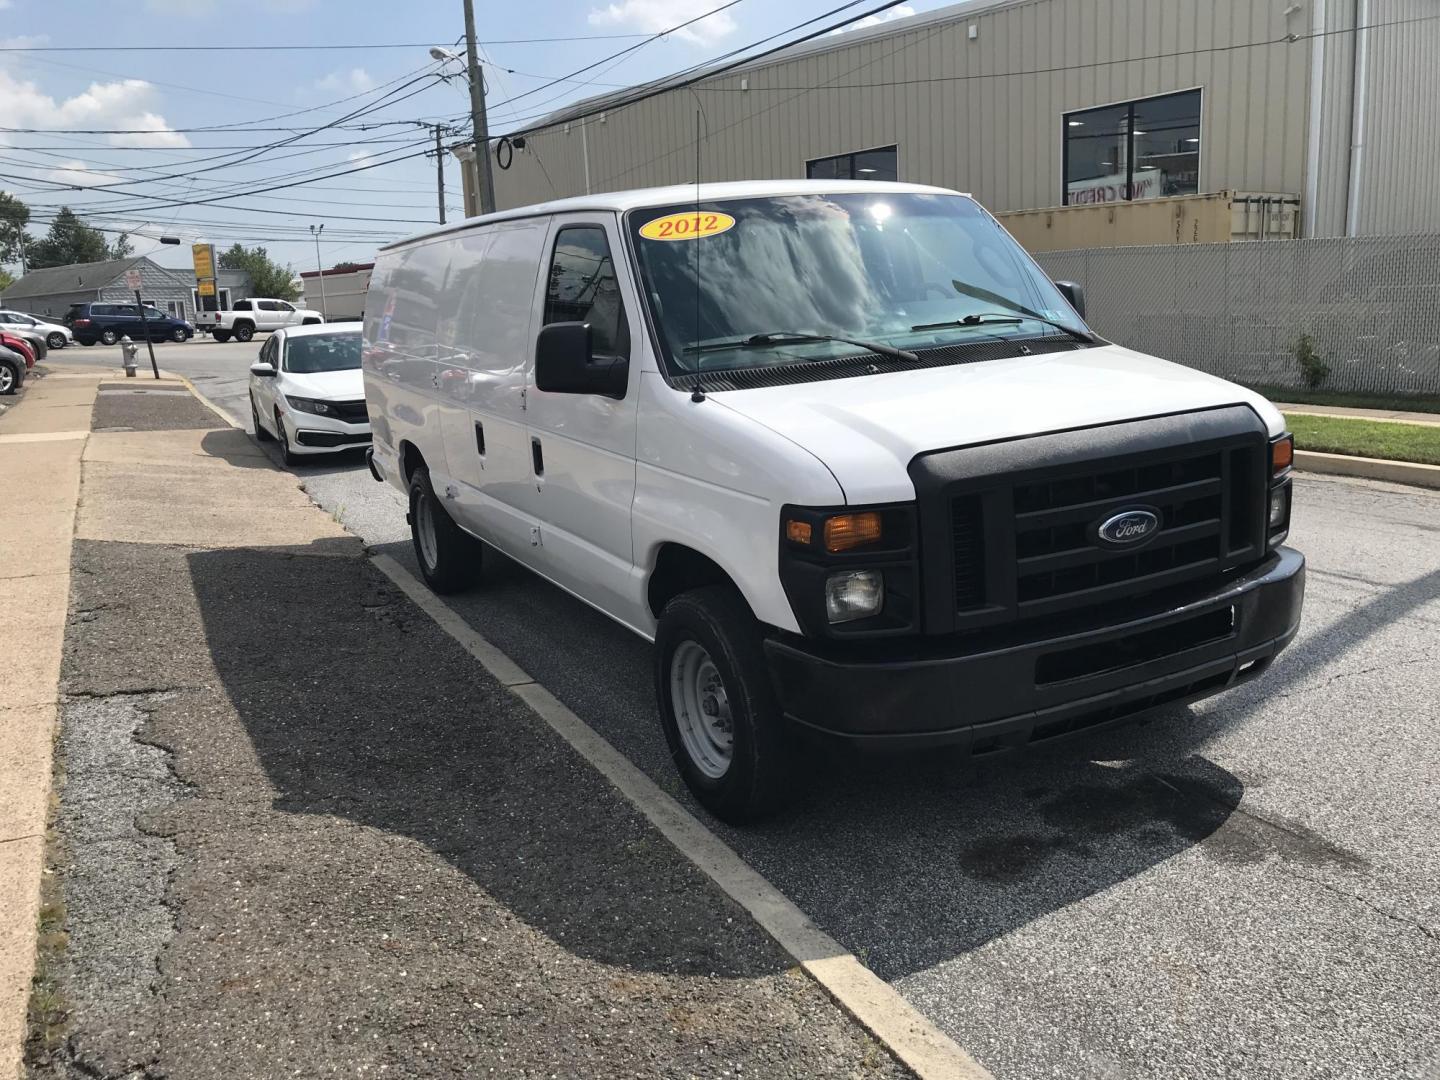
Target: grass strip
{"type": "Point", "coordinates": [1366, 438]}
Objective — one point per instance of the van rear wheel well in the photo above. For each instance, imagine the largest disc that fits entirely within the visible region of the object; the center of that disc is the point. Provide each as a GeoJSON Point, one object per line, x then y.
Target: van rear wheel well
{"type": "Point", "coordinates": [410, 460]}
{"type": "Point", "coordinates": [678, 569]}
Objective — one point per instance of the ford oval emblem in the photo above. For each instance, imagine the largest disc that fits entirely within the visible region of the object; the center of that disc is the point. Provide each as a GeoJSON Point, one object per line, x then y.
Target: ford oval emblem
{"type": "Point", "coordinates": [1129, 527]}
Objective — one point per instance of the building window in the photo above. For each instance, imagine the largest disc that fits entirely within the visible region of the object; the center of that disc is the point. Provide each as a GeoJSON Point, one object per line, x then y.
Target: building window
{"type": "Point", "coordinates": [1145, 149]}
{"type": "Point", "coordinates": [879, 164]}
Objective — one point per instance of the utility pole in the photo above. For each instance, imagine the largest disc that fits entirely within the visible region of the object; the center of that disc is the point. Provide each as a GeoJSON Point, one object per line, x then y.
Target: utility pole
{"type": "Point", "coordinates": [481, 130]}
{"type": "Point", "coordinates": [321, 267]}
{"type": "Point", "coordinates": [439, 167]}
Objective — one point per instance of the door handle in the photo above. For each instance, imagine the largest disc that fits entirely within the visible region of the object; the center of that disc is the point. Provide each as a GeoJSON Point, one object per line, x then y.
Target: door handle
{"type": "Point", "coordinates": [537, 456]}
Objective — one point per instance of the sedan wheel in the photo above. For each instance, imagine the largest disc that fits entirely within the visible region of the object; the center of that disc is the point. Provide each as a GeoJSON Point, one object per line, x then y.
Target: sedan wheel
{"type": "Point", "coordinates": [7, 379]}
{"type": "Point", "coordinates": [286, 454]}
{"type": "Point", "coordinates": [261, 435]}
{"type": "Point", "coordinates": [179, 334]}
{"type": "Point", "coordinates": [56, 340]}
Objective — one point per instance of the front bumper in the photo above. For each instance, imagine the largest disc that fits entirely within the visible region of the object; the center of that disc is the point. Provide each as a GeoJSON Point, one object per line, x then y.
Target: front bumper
{"type": "Point", "coordinates": [990, 693]}
{"type": "Point", "coordinates": [313, 434]}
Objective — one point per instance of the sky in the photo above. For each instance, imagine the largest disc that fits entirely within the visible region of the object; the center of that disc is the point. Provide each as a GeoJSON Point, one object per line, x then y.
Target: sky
{"type": "Point", "coordinates": [119, 146]}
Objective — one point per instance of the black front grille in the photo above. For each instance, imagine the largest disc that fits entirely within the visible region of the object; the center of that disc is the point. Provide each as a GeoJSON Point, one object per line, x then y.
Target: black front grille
{"type": "Point", "coordinates": [1011, 528]}
{"type": "Point", "coordinates": [352, 412]}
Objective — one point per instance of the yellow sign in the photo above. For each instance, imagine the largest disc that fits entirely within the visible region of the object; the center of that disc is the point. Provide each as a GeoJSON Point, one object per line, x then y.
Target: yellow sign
{"type": "Point", "coordinates": [205, 286]}
{"type": "Point", "coordinates": [690, 225]}
{"type": "Point", "coordinates": [204, 260]}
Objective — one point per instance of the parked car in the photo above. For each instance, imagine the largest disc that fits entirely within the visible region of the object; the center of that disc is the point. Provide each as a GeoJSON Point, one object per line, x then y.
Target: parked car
{"type": "Point", "coordinates": [844, 454]}
{"type": "Point", "coordinates": [16, 360]}
{"type": "Point", "coordinates": [57, 336]}
{"type": "Point", "coordinates": [307, 391]}
{"type": "Point", "coordinates": [248, 316]}
{"type": "Point", "coordinates": [33, 337]}
{"type": "Point", "coordinates": [108, 323]}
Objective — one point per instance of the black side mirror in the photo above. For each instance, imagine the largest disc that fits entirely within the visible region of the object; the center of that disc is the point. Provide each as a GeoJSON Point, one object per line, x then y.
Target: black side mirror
{"type": "Point", "coordinates": [1074, 292]}
{"type": "Point", "coordinates": [565, 363]}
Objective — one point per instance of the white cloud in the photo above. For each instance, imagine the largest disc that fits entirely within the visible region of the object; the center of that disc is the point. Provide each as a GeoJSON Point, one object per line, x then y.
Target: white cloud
{"type": "Point", "coordinates": [124, 103]}
{"type": "Point", "coordinates": [653, 16]}
{"type": "Point", "coordinates": [78, 174]}
{"type": "Point", "coordinates": [5, 5]}
{"type": "Point", "coordinates": [355, 81]}
{"type": "Point", "coordinates": [900, 11]}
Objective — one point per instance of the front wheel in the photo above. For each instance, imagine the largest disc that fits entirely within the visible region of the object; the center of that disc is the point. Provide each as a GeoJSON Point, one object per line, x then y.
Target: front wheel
{"type": "Point", "coordinates": [449, 557]}
{"type": "Point", "coordinates": [179, 334]}
{"type": "Point", "coordinates": [9, 378]}
{"type": "Point", "coordinates": [261, 435]}
{"type": "Point", "coordinates": [286, 454]}
{"type": "Point", "coordinates": [56, 340]}
{"type": "Point", "coordinates": [717, 705]}
{"type": "Point", "coordinates": [108, 337]}
{"type": "Point", "coordinates": [244, 331]}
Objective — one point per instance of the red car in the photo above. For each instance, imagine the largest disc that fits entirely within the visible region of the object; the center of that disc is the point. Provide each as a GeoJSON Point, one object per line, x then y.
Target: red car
{"type": "Point", "coordinates": [16, 359]}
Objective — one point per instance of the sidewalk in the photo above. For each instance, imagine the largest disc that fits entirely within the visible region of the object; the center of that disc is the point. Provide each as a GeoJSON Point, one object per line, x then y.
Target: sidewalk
{"type": "Point", "coordinates": [1395, 416]}
{"type": "Point", "coordinates": [302, 833]}
{"type": "Point", "coordinates": [41, 442]}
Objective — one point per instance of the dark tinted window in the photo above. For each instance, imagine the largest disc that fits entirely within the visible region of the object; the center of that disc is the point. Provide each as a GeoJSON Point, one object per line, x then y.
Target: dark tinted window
{"type": "Point", "coordinates": [879, 164]}
{"type": "Point", "coordinates": [270, 305]}
{"type": "Point", "coordinates": [582, 288]}
{"type": "Point", "coordinates": [1137, 150]}
{"type": "Point", "coordinates": [322, 352]}
{"type": "Point", "coordinates": [241, 305]}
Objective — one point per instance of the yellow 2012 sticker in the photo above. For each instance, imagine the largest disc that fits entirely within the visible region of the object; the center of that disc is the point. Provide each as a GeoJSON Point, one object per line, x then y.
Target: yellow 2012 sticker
{"type": "Point", "coordinates": [689, 225]}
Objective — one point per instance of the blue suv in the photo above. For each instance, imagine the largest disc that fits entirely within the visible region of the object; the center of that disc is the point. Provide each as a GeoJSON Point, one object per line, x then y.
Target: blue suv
{"type": "Point", "coordinates": [108, 323]}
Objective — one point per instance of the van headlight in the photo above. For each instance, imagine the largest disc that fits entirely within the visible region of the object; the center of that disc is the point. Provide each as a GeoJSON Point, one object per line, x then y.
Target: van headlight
{"type": "Point", "coordinates": [310, 405]}
{"type": "Point", "coordinates": [854, 594]}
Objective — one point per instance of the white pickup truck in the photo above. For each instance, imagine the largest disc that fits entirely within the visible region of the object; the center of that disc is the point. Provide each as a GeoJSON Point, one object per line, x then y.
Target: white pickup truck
{"type": "Point", "coordinates": [253, 315]}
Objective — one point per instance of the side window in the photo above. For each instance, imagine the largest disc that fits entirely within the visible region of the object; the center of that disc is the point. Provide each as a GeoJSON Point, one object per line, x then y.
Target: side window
{"type": "Point", "coordinates": [241, 305]}
{"type": "Point", "coordinates": [280, 305]}
{"type": "Point", "coordinates": [269, 305]}
{"type": "Point", "coordinates": [582, 288]}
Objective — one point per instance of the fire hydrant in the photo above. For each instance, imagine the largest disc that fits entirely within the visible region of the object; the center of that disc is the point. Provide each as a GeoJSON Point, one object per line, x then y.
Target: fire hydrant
{"type": "Point", "coordinates": [128, 350]}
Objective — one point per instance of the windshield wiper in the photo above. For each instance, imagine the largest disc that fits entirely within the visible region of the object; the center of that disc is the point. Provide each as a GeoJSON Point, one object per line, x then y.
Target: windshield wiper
{"type": "Point", "coordinates": [994, 317]}
{"type": "Point", "coordinates": [785, 337]}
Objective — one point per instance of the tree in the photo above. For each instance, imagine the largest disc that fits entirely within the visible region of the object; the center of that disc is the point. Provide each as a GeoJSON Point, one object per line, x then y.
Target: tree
{"type": "Point", "coordinates": [6, 279]}
{"type": "Point", "coordinates": [14, 215]}
{"type": "Point", "coordinates": [121, 249]}
{"type": "Point", "coordinates": [69, 240]}
{"type": "Point", "coordinates": [267, 278]}
{"type": "Point", "coordinates": [344, 268]}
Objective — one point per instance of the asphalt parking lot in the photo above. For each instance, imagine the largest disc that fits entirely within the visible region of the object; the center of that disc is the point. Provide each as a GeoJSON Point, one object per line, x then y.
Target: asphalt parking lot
{"type": "Point", "coordinates": [1248, 887]}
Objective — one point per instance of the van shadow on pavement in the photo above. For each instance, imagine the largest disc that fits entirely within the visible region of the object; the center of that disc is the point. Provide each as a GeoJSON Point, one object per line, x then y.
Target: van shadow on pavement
{"type": "Point", "coordinates": [912, 860]}
{"type": "Point", "coordinates": [358, 706]}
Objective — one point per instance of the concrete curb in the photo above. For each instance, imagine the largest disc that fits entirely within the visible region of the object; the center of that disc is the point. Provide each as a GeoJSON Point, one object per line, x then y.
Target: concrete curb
{"type": "Point", "coordinates": [1396, 472]}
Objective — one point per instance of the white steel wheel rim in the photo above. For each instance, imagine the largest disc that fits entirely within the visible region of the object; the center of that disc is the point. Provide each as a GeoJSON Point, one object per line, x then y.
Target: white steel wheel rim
{"type": "Point", "coordinates": [702, 709]}
{"type": "Point", "coordinates": [7, 377]}
{"type": "Point", "coordinates": [425, 531]}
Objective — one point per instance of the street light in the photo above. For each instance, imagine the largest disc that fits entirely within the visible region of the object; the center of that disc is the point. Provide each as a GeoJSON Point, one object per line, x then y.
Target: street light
{"type": "Point", "coordinates": [315, 232]}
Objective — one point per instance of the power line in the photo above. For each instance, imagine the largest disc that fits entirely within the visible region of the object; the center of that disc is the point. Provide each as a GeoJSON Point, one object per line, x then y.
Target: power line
{"type": "Point", "coordinates": [304, 48]}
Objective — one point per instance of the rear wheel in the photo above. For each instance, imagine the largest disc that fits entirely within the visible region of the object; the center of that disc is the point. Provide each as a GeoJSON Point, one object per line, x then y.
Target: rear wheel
{"type": "Point", "coordinates": [449, 557]}
{"type": "Point", "coordinates": [108, 337]}
{"type": "Point", "coordinates": [221, 336]}
{"type": "Point", "coordinates": [9, 377]}
{"type": "Point", "coordinates": [56, 340]}
{"type": "Point", "coordinates": [244, 331]}
{"type": "Point", "coordinates": [717, 705]}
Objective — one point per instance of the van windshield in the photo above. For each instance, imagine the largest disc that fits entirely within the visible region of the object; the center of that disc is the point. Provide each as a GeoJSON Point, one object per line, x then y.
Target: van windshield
{"type": "Point", "coordinates": [315, 353]}
{"type": "Point", "coordinates": [906, 270]}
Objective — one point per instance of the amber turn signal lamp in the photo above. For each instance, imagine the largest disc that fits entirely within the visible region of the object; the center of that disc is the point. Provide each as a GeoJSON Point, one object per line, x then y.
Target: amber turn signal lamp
{"type": "Point", "coordinates": [846, 531]}
{"type": "Point", "coordinates": [797, 532]}
{"type": "Point", "coordinates": [1282, 453]}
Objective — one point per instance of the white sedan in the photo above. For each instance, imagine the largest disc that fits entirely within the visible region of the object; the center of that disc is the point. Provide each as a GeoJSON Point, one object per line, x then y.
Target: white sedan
{"type": "Point", "coordinates": [307, 391]}
{"type": "Point", "coordinates": [57, 335]}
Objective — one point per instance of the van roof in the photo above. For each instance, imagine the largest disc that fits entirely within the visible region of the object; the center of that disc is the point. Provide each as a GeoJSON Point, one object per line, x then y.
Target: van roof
{"type": "Point", "coordinates": [620, 201]}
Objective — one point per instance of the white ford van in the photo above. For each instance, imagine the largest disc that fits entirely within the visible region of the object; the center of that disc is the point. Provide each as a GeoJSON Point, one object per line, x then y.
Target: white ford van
{"type": "Point", "coordinates": [843, 453]}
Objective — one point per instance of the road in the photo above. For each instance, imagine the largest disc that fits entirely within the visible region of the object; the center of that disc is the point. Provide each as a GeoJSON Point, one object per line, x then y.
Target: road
{"type": "Point", "coordinates": [1246, 888]}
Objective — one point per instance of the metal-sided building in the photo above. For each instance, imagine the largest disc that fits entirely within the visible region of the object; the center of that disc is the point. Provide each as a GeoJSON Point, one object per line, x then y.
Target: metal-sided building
{"type": "Point", "coordinates": [1322, 107]}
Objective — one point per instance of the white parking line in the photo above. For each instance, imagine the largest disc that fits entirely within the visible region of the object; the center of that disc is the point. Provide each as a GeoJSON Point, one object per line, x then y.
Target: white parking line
{"type": "Point", "coordinates": [879, 1008]}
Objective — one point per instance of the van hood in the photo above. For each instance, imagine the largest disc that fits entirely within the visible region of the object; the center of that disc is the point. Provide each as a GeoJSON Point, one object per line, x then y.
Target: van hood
{"type": "Point", "coordinates": [327, 385]}
{"type": "Point", "coordinates": [867, 429]}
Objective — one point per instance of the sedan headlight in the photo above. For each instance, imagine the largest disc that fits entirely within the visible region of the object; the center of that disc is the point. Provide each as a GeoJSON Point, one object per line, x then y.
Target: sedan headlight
{"type": "Point", "coordinates": [310, 405]}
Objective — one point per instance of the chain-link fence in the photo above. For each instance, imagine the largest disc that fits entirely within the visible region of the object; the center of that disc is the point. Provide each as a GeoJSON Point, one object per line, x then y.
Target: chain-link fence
{"type": "Point", "coordinates": [1267, 313]}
